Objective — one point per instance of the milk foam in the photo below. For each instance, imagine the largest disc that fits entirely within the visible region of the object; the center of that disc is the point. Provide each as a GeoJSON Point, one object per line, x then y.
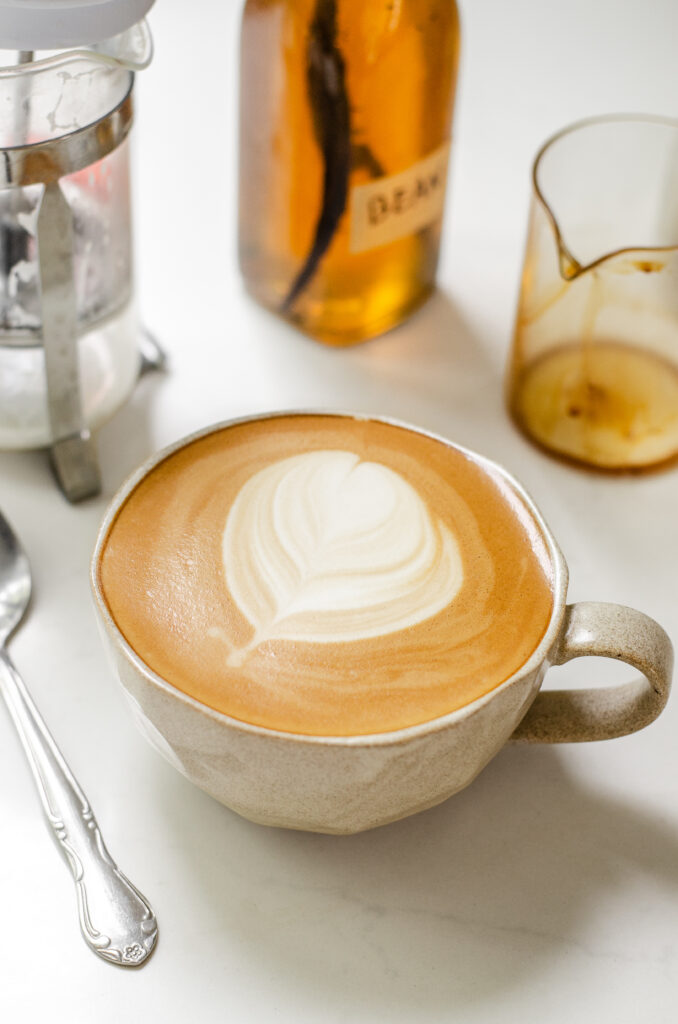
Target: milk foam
{"type": "Point", "coordinates": [345, 534]}
{"type": "Point", "coordinates": [324, 547]}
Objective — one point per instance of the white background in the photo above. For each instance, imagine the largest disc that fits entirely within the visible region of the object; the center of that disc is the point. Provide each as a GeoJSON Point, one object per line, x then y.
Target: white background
{"type": "Point", "coordinates": [546, 891]}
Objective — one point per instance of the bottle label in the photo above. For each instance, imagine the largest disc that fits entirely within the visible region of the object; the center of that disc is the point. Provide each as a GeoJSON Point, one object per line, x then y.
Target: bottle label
{"type": "Point", "coordinates": [393, 207]}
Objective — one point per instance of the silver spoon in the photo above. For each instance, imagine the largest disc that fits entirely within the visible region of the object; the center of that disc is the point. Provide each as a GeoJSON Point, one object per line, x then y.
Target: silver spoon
{"type": "Point", "coordinates": [116, 921]}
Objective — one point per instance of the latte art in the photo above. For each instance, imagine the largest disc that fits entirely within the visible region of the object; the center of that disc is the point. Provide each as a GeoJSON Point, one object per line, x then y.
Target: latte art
{"type": "Point", "coordinates": [327, 575]}
{"type": "Point", "coordinates": [322, 547]}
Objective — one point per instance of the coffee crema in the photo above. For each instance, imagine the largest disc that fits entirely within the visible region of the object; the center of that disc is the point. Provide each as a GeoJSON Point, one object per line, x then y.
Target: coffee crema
{"type": "Point", "coordinates": [327, 575]}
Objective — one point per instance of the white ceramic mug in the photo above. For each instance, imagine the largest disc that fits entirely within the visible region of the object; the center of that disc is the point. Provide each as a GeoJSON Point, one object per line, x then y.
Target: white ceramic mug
{"type": "Point", "coordinates": [344, 784]}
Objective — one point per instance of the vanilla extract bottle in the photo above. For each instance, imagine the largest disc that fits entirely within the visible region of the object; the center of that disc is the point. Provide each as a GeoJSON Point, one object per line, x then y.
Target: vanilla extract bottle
{"type": "Point", "coordinates": [346, 112]}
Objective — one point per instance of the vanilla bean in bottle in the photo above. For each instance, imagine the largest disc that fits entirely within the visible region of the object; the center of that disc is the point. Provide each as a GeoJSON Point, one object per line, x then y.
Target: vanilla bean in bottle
{"type": "Point", "coordinates": [346, 112]}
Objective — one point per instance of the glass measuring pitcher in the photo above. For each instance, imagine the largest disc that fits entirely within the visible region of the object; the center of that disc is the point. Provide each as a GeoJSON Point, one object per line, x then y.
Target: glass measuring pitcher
{"type": "Point", "coordinates": [594, 369]}
{"type": "Point", "coordinates": [69, 350]}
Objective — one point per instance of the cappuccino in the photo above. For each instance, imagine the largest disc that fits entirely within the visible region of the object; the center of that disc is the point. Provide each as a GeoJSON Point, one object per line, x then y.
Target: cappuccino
{"type": "Point", "coordinates": [327, 575]}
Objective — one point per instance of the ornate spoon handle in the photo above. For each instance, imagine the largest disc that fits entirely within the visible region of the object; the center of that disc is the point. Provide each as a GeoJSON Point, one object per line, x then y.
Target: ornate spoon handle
{"type": "Point", "coordinates": [116, 921]}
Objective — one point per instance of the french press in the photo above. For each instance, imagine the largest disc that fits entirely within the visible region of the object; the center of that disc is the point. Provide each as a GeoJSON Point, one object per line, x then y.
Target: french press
{"type": "Point", "coordinates": [69, 335]}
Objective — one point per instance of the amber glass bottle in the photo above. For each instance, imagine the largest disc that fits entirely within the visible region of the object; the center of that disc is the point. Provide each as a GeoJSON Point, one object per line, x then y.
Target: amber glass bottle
{"type": "Point", "coordinates": [346, 110]}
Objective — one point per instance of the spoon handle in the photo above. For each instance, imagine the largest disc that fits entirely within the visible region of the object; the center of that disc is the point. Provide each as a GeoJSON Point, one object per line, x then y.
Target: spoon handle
{"type": "Point", "coordinates": [116, 921]}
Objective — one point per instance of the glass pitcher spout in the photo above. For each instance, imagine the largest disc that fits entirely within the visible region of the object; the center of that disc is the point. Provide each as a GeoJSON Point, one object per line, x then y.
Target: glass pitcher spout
{"type": "Point", "coordinates": [131, 50]}
{"type": "Point", "coordinates": [617, 193]}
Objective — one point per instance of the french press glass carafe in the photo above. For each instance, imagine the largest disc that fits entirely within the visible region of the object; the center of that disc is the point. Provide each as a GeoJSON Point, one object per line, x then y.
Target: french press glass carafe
{"type": "Point", "coordinates": [69, 345]}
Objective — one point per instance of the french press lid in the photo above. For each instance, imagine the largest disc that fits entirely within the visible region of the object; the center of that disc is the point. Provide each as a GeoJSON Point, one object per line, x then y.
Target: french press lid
{"type": "Point", "coordinates": [59, 24]}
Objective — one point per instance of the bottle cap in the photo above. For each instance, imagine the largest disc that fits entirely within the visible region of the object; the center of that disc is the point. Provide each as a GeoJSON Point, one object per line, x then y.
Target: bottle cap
{"type": "Point", "coordinates": [62, 24]}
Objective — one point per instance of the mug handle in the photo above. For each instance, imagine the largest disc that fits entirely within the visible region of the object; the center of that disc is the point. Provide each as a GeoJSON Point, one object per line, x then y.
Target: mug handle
{"type": "Point", "coordinates": [609, 631]}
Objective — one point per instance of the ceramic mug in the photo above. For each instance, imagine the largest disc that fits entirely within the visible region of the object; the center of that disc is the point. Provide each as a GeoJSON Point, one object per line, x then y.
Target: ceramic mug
{"type": "Point", "coordinates": [346, 784]}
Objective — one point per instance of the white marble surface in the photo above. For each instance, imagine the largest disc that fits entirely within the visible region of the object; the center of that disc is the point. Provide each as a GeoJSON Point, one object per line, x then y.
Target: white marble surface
{"type": "Point", "coordinates": [546, 891]}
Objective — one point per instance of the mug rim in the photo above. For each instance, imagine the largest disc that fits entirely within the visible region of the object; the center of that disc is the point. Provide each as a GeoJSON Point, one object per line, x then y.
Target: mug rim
{"type": "Point", "coordinates": [394, 736]}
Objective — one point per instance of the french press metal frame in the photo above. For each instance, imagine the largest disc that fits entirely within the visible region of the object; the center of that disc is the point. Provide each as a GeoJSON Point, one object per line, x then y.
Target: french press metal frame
{"type": "Point", "coordinates": [45, 163]}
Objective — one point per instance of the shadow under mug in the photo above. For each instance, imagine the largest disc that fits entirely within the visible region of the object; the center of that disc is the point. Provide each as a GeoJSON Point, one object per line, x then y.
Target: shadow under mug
{"type": "Point", "coordinates": [346, 784]}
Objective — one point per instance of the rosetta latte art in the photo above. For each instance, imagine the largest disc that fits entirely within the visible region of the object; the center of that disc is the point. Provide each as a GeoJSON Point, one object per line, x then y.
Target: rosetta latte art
{"type": "Point", "coordinates": [323, 547]}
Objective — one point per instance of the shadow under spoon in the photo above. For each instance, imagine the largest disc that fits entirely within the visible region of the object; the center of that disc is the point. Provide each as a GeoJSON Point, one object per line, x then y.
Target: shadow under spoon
{"type": "Point", "coordinates": [116, 921]}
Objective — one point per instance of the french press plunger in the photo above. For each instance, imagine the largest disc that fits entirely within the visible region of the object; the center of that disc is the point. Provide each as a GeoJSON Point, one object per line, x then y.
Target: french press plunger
{"type": "Point", "coordinates": [69, 334]}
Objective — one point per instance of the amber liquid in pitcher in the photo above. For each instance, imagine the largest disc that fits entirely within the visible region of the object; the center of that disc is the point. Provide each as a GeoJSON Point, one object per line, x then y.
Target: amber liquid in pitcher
{"type": "Point", "coordinates": [611, 406]}
{"type": "Point", "coordinates": [594, 398]}
{"type": "Point", "coordinates": [346, 109]}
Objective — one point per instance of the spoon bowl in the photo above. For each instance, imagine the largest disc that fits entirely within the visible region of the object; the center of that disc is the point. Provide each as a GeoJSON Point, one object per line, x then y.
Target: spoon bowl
{"type": "Point", "coordinates": [15, 581]}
